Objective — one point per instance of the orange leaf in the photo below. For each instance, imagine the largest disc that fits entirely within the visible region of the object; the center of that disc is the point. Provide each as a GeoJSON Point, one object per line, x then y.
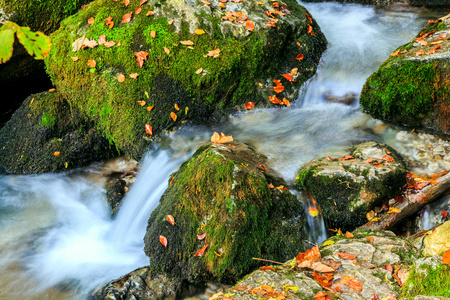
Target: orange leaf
{"type": "Point", "coordinates": [267, 268]}
{"type": "Point", "coordinates": [187, 43]}
{"type": "Point", "coordinates": [239, 288]}
{"type": "Point", "coordinates": [141, 103]}
{"type": "Point", "coordinates": [142, 2]}
{"type": "Point", "coordinates": [278, 89]}
{"type": "Point", "coordinates": [214, 53]}
{"type": "Point", "coordinates": [221, 139]}
{"type": "Point", "coordinates": [310, 254]}
{"type": "Point", "coordinates": [199, 71]}
{"type": "Point", "coordinates": [109, 22]}
{"type": "Point", "coordinates": [140, 57]}
{"type": "Point", "coordinates": [309, 18]}
{"type": "Point", "coordinates": [170, 22]}
{"type": "Point", "coordinates": [109, 44]}
{"type": "Point", "coordinates": [149, 13]}
{"type": "Point", "coordinates": [153, 34]}
{"type": "Point", "coordinates": [201, 236]}
{"type": "Point", "coordinates": [286, 102]}
{"type": "Point", "coordinates": [351, 282]}
{"type": "Point", "coordinates": [148, 129]}
{"type": "Point", "coordinates": [323, 296]}
{"type": "Point", "coordinates": [324, 280]}
{"type": "Point", "coordinates": [134, 75]}
{"type": "Point", "coordinates": [349, 235]}
{"type": "Point", "coordinates": [249, 25]}
{"type": "Point", "coordinates": [91, 63]}
{"type": "Point", "coordinates": [375, 297]}
{"type": "Point", "coordinates": [345, 255]}
{"type": "Point", "coordinates": [389, 268]}
{"type": "Point", "coordinates": [149, 108]}
{"type": "Point", "coordinates": [299, 57]}
{"type": "Point", "coordinates": [166, 50]}
{"type": "Point", "coordinates": [173, 116]}
{"type": "Point", "coordinates": [101, 39]}
{"type": "Point", "coordinates": [201, 251]}
{"type": "Point", "coordinates": [56, 153]}
{"type": "Point", "coordinates": [310, 30]}
{"type": "Point", "coordinates": [275, 100]}
{"type": "Point", "coordinates": [288, 77]}
{"type": "Point", "coordinates": [138, 10]}
{"type": "Point", "coordinates": [91, 21]}
{"type": "Point", "coordinates": [387, 158]}
{"type": "Point", "coordinates": [446, 258]}
{"type": "Point", "coordinates": [170, 219]}
{"type": "Point", "coordinates": [227, 298]}
{"type": "Point", "coordinates": [171, 180]}
{"type": "Point", "coordinates": [370, 239]}
{"type": "Point", "coordinates": [434, 49]}
{"type": "Point", "coordinates": [74, 58]}
{"type": "Point", "coordinates": [127, 17]}
{"type": "Point", "coordinates": [163, 240]}
{"type": "Point", "coordinates": [271, 186]}
{"type": "Point", "coordinates": [277, 82]}
{"type": "Point", "coordinates": [418, 53]}
{"type": "Point", "coordinates": [126, 2]}
{"type": "Point", "coordinates": [121, 77]}
{"type": "Point", "coordinates": [249, 105]}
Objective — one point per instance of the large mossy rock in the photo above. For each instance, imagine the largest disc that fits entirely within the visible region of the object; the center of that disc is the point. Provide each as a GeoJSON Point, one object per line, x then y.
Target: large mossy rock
{"type": "Point", "coordinates": [45, 135]}
{"type": "Point", "coordinates": [202, 86]}
{"type": "Point", "coordinates": [430, 3]}
{"type": "Point", "coordinates": [347, 188]}
{"type": "Point", "coordinates": [411, 89]}
{"type": "Point", "coordinates": [223, 192]}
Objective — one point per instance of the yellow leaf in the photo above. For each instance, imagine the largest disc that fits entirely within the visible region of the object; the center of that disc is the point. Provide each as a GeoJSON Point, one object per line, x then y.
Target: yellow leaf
{"type": "Point", "coordinates": [313, 212]}
{"type": "Point", "coordinates": [327, 243]}
{"type": "Point", "coordinates": [66, 165]}
{"type": "Point", "coordinates": [186, 109]}
{"type": "Point", "coordinates": [393, 210]}
{"type": "Point", "coordinates": [370, 215]}
{"type": "Point", "coordinates": [153, 33]}
{"type": "Point", "coordinates": [170, 22]}
{"type": "Point", "coordinates": [199, 31]}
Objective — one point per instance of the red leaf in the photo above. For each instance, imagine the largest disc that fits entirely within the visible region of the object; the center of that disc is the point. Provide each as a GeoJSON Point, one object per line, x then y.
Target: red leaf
{"type": "Point", "coordinates": [444, 214]}
{"type": "Point", "coordinates": [148, 129]}
{"type": "Point", "coordinates": [249, 105]}
{"type": "Point", "coordinates": [370, 239]}
{"type": "Point", "coordinates": [163, 240]}
{"type": "Point", "coordinates": [201, 251]}
{"type": "Point", "coordinates": [375, 297]}
{"type": "Point", "coordinates": [127, 18]}
{"type": "Point", "coordinates": [446, 257]}
{"type": "Point", "coordinates": [398, 199]}
{"type": "Point", "coordinates": [288, 77]}
{"type": "Point", "coordinates": [267, 268]}
{"type": "Point", "coordinates": [249, 25]}
{"type": "Point", "coordinates": [345, 255]}
{"type": "Point", "coordinates": [201, 236]}
{"type": "Point", "coordinates": [140, 57]}
{"type": "Point", "coordinates": [300, 57]}
{"type": "Point", "coordinates": [170, 219]}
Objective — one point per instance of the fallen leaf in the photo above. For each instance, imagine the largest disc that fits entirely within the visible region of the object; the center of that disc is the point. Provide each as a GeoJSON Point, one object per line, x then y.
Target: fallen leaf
{"type": "Point", "coordinates": [249, 25]}
{"type": "Point", "coordinates": [121, 77]}
{"type": "Point", "coordinates": [153, 34]}
{"type": "Point", "coordinates": [393, 210]}
{"type": "Point", "coordinates": [375, 297]}
{"type": "Point", "coordinates": [199, 71]}
{"type": "Point", "coordinates": [109, 22]}
{"type": "Point", "coordinates": [199, 31]}
{"type": "Point", "coordinates": [227, 298]}
{"type": "Point", "coordinates": [149, 108]}
{"type": "Point", "coordinates": [398, 52]}
{"type": "Point", "coordinates": [324, 280]}
{"type": "Point", "coordinates": [294, 71]}
{"type": "Point", "coordinates": [434, 49]}
{"type": "Point", "coordinates": [138, 10]}
{"type": "Point", "coordinates": [278, 89]}
{"type": "Point", "coordinates": [351, 282]}
{"type": "Point", "coordinates": [91, 63]}
{"type": "Point", "coordinates": [171, 180]}
{"type": "Point", "coordinates": [310, 30]}
{"type": "Point", "coordinates": [170, 22]}
{"type": "Point", "coordinates": [310, 254]}
{"type": "Point", "coordinates": [446, 257]}
{"type": "Point", "coordinates": [213, 53]}
{"type": "Point", "coordinates": [331, 262]}
{"type": "Point", "coordinates": [370, 239]}
{"type": "Point", "coordinates": [201, 236]}
{"type": "Point", "coordinates": [141, 103]}
{"type": "Point", "coordinates": [166, 50]}
{"type": "Point", "coordinates": [444, 214]}
{"type": "Point", "coordinates": [363, 195]}
{"type": "Point", "coordinates": [149, 13]}
{"type": "Point", "coordinates": [176, 106]}
{"type": "Point", "coordinates": [249, 105]}
{"type": "Point", "coordinates": [221, 139]}
{"type": "Point", "coordinates": [134, 75]}
{"type": "Point", "coordinates": [109, 44]}
{"type": "Point", "coordinates": [240, 288]}
{"type": "Point", "coordinates": [173, 116]}
{"type": "Point", "coordinates": [315, 265]}
{"type": "Point", "coordinates": [142, 2]}
{"type": "Point", "coordinates": [126, 2]}
{"type": "Point", "coordinates": [127, 17]}
{"type": "Point", "coordinates": [91, 21]}
{"type": "Point", "coordinates": [389, 268]}
{"type": "Point", "coordinates": [286, 102]}
{"type": "Point", "coordinates": [387, 158]}
{"type": "Point", "coordinates": [349, 235]}
{"type": "Point", "coordinates": [163, 240]}
{"type": "Point", "coordinates": [52, 90]}
{"type": "Point", "coordinates": [299, 57]}
{"type": "Point", "coordinates": [288, 77]}
{"type": "Point", "coordinates": [170, 219]}
{"type": "Point", "coordinates": [148, 129]}
{"type": "Point", "coordinates": [201, 251]}
{"type": "Point", "coordinates": [323, 296]}
{"type": "Point", "coordinates": [140, 57]}
{"type": "Point", "coordinates": [187, 43]}
{"type": "Point", "coordinates": [56, 153]}
{"type": "Point", "coordinates": [275, 100]}
{"type": "Point", "coordinates": [398, 199]}
{"type": "Point", "coordinates": [267, 268]}
{"type": "Point", "coordinates": [346, 255]}
{"type": "Point", "coordinates": [74, 58]}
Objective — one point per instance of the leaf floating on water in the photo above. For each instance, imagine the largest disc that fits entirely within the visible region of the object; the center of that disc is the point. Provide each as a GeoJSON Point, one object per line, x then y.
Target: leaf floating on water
{"type": "Point", "coordinates": [201, 236]}
{"type": "Point", "coordinates": [127, 18]}
{"type": "Point", "coordinates": [170, 219]}
{"type": "Point", "coordinates": [148, 129]}
{"type": "Point", "coordinates": [163, 240]}
{"type": "Point", "coordinates": [201, 251]}
{"type": "Point", "coordinates": [249, 105]}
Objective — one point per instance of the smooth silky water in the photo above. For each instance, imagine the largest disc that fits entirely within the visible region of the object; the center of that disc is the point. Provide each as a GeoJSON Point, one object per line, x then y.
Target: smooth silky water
{"type": "Point", "coordinates": [57, 239]}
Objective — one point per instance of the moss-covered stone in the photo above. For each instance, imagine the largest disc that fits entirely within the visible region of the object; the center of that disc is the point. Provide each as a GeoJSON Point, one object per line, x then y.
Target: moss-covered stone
{"type": "Point", "coordinates": [44, 125]}
{"type": "Point", "coordinates": [376, 3]}
{"type": "Point", "coordinates": [346, 189]}
{"type": "Point", "coordinates": [222, 191]}
{"type": "Point", "coordinates": [244, 70]}
{"type": "Point", "coordinates": [410, 89]}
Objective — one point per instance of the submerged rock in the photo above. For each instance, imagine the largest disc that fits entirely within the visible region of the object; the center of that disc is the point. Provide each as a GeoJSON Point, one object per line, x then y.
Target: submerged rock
{"type": "Point", "coordinates": [223, 204]}
{"type": "Point", "coordinates": [47, 135]}
{"type": "Point", "coordinates": [184, 75]}
{"type": "Point", "coordinates": [347, 188]}
{"type": "Point", "coordinates": [412, 86]}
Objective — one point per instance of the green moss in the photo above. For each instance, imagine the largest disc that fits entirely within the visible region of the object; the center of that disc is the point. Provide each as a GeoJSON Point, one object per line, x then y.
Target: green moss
{"type": "Point", "coordinates": [47, 120]}
{"type": "Point", "coordinates": [432, 282]}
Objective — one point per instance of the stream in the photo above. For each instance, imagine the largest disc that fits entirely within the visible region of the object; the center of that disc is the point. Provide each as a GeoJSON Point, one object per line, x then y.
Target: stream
{"type": "Point", "coordinates": [57, 238]}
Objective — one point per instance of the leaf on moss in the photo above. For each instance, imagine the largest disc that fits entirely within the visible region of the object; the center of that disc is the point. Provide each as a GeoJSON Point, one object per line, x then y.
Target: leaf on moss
{"type": "Point", "coordinates": [109, 22]}
{"type": "Point", "coordinates": [140, 57]}
{"type": "Point", "coordinates": [201, 251]}
{"type": "Point", "coordinates": [127, 17]}
{"type": "Point", "coordinates": [199, 31]}
{"type": "Point", "coordinates": [126, 2]}
{"type": "Point", "coordinates": [149, 129]}
{"type": "Point", "coordinates": [163, 240]}
{"type": "Point", "coordinates": [187, 43]}
{"type": "Point", "coordinates": [121, 78]}
{"type": "Point", "coordinates": [170, 219]}
{"type": "Point", "coordinates": [91, 21]}
{"type": "Point", "coordinates": [92, 63]}
{"type": "Point", "coordinates": [138, 10]}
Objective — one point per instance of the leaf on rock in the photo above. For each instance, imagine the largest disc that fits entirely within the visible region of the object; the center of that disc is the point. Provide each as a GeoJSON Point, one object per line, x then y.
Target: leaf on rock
{"type": "Point", "coordinates": [140, 57]}
{"type": "Point", "coordinates": [444, 214]}
{"type": "Point", "coordinates": [187, 43]}
{"type": "Point", "coordinates": [142, 2]}
{"type": "Point", "coordinates": [176, 106]}
{"type": "Point", "coordinates": [324, 280]}
{"type": "Point", "coordinates": [286, 102]}
{"type": "Point", "coordinates": [163, 240]}
{"type": "Point", "coordinates": [240, 288]}
{"type": "Point", "coordinates": [149, 129]}
{"type": "Point", "coordinates": [92, 63]}
{"type": "Point", "coordinates": [275, 100]}
{"type": "Point", "coordinates": [316, 266]}
{"type": "Point", "coordinates": [173, 116]}
{"type": "Point", "coordinates": [127, 17]}
{"type": "Point", "coordinates": [170, 22]}
{"type": "Point", "coordinates": [323, 296]}
{"type": "Point", "coordinates": [346, 255]}
{"type": "Point", "coordinates": [418, 53]}
{"type": "Point", "coordinates": [446, 257]}
{"type": "Point", "coordinates": [249, 105]}
{"type": "Point", "coordinates": [310, 254]}
{"type": "Point", "coordinates": [170, 219]}
{"type": "Point", "coordinates": [221, 139]}
{"type": "Point", "coordinates": [387, 158]}
{"type": "Point", "coordinates": [6, 44]}
{"type": "Point", "coordinates": [393, 210]}
{"type": "Point", "coordinates": [370, 239]}
{"type": "Point", "coordinates": [309, 18]}
{"type": "Point", "coordinates": [331, 262]}
{"type": "Point", "coordinates": [149, 108]}
{"type": "Point", "coordinates": [56, 153]}
{"type": "Point", "coordinates": [249, 25]}
{"type": "Point", "coordinates": [310, 30]}
{"type": "Point", "coordinates": [351, 282]}
{"type": "Point", "coordinates": [349, 234]}
{"type": "Point", "coordinates": [149, 13]}
{"type": "Point", "coordinates": [36, 43]}
{"type": "Point", "coordinates": [201, 251]}
{"type": "Point", "coordinates": [121, 77]}
{"type": "Point", "coordinates": [278, 89]}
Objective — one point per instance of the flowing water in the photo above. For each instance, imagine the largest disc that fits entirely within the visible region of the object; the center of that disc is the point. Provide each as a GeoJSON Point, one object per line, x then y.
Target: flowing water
{"type": "Point", "coordinates": [57, 239]}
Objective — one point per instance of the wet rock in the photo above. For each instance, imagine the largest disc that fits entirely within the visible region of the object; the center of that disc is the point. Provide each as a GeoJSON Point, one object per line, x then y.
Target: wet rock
{"type": "Point", "coordinates": [224, 191]}
{"type": "Point", "coordinates": [139, 284]}
{"type": "Point", "coordinates": [347, 99]}
{"type": "Point", "coordinates": [115, 191]}
{"type": "Point", "coordinates": [430, 3]}
{"type": "Point", "coordinates": [376, 3]}
{"type": "Point", "coordinates": [346, 189]}
{"type": "Point", "coordinates": [395, 94]}
{"type": "Point", "coordinates": [202, 86]}
{"type": "Point", "coordinates": [47, 135]}
{"type": "Point", "coordinates": [437, 241]}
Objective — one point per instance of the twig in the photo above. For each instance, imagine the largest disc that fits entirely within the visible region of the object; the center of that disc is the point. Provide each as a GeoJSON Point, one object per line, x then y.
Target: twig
{"type": "Point", "coordinates": [267, 260]}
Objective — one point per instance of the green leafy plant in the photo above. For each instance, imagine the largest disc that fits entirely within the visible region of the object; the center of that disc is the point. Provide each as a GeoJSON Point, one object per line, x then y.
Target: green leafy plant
{"type": "Point", "coordinates": [36, 43]}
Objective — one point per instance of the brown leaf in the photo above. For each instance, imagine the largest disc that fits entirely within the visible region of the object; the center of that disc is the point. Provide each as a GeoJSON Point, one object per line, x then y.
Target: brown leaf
{"type": "Point", "coordinates": [74, 58]}
{"type": "Point", "coordinates": [140, 57]}
{"type": "Point", "coordinates": [324, 280]}
{"type": "Point", "coordinates": [345, 255]}
{"type": "Point", "coordinates": [121, 77]}
{"type": "Point", "coordinates": [127, 17]}
{"type": "Point", "coordinates": [170, 22]}
{"type": "Point", "coordinates": [323, 296]}
{"type": "Point", "coordinates": [351, 282]}
{"type": "Point", "coordinates": [91, 63]}
{"type": "Point", "coordinates": [389, 268]}
{"type": "Point", "coordinates": [166, 50]}
{"type": "Point", "coordinates": [148, 129]}
{"type": "Point", "coordinates": [153, 34]}
{"type": "Point", "coordinates": [332, 263]}
{"type": "Point", "coordinates": [149, 13]}
{"type": "Point", "coordinates": [213, 53]}
{"type": "Point", "coordinates": [387, 158]}
{"type": "Point", "coordinates": [240, 288]}
{"type": "Point", "coordinates": [173, 116]}
{"type": "Point", "coordinates": [199, 71]}
{"type": "Point", "coordinates": [201, 251]}
{"type": "Point", "coordinates": [109, 44]}
{"type": "Point", "coordinates": [163, 240]}
{"type": "Point", "coordinates": [201, 236]}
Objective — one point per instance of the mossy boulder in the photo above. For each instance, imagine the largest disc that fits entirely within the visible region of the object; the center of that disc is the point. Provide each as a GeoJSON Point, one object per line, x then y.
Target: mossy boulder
{"type": "Point", "coordinates": [224, 192]}
{"type": "Point", "coordinates": [46, 135]}
{"type": "Point", "coordinates": [347, 188]}
{"type": "Point", "coordinates": [430, 3]}
{"type": "Point", "coordinates": [376, 3]}
{"type": "Point", "coordinates": [411, 88]}
{"type": "Point", "coordinates": [437, 241]}
{"type": "Point", "coordinates": [174, 72]}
